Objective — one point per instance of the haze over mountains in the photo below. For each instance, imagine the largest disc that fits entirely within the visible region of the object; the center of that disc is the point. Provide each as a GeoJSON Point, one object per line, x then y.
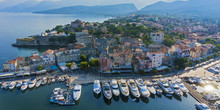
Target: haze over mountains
{"type": "Point", "coordinates": [204, 8]}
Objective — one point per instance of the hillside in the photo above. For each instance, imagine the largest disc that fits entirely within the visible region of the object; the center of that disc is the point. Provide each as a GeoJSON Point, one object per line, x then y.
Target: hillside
{"type": "Point", "coordinates": [100, 10]}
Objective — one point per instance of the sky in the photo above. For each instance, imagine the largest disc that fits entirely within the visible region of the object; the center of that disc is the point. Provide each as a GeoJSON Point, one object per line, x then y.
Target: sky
{"type": "Point", "coordinates": [138, 3]}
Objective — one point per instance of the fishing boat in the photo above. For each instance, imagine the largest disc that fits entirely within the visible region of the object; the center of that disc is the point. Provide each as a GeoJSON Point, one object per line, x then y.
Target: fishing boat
{"type": "Point", "coordinates": [165, 87]}
{"type": "Point", "coordinates": [44, 81]}
{"type": "Point", "coordinates": [202, 106]}
{"type": "Point", "coordinates": [57, 95]}
{"type": "Point", "coordinates": [97, 87]}
{"type": "Point", "coordinates": [18, 84]}
{"type": "Point", "coordinates": [142, 88]}
{"type": "Point", "coordinates": [175, 88]}
{"type": "Point", "coordinates": [32, 83]}
{"type": "Point", "coordinates": [158, 89]}
{"type": "Point", "coordinates": [123, 87]}
{"type": "Point", "coordinates": [77, 92]}
{"type": "Point", "coordinates": [181, 86]}
{"type": "Point", "coordinates": [12, 85]}
{"type": "Point", "coordinates": [106, 90]}
{"type": "Point", "coordinates": [150, 87]}
{"type": "Point", "coordinates": [133, 88]}
{"type": "Point", "coordinates": [24, 86]}
{"type": "Point", "coordinates": [114, 86]}
{"type": "Point", "coordinates": [38, 83]}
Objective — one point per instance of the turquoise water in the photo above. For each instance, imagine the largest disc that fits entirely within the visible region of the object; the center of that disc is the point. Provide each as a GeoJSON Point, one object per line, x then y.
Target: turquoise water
{"type": "Point", "coordinates": [37, 99]}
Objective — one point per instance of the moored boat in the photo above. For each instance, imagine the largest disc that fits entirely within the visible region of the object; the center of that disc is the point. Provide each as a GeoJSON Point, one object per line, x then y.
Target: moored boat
{"type": "Point", "coordinates": [123, 87]}
{"type": "Point", "coordinates": [165, 87]}
{"type": "Point", "coordinates": [114, 86]}
{"type": "Point", "coordinates": [133, 88]}
{"type": "Point", "coordinates": [97, 87]}
{"type": "Point", "coordinates": [77, 92]}
{"type": "Point", "coordinates": [142, 88]}
{"type": "Point", "coordinates": [202, 106]}
{"type": "Point", "coordinates": [158, 89]}
{"type": "Point", "coordinates": [38, 83]}
{"type": "Point", "coordinates": [44, 81]}
{"type": "Point", "coordinates": [181, 86]}
{"type": "Point", "coordinates": [150, 87]}
{"type": "Point", "coordinates": [24, 86]}
{"type": "Point", "coordinates": [175, 88]}
{"type": "Point", "coordinates": [18, 84]}
{"type": "Point", "coordinates": [106, 90]}
{"type": "Point", "coordinates": [12, 85]}
{"type": "Point", "coordinates": [32, 83]}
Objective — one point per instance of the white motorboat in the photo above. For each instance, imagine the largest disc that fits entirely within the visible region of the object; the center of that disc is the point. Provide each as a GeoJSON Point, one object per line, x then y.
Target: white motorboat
{"type": "Point", "coordinates": [106, 90]}
{"type": "Point", "coordinates": [53, 80]}
{"type": "Point", "coordinates": [181, 86]}
{"type": "Point", "coordinates": [24, 85]}
{"type": "Point", "coordinates": [114, 86]}
{"type": "Point", "coordinates": [97, 87]}
{"type": "Point", "coordinates": [154, 81]}
{"type": "Point", "coordinates": [133, 88]}
{"type": "Point", "coordinates": [32, 83]}
{"type": "Point", "coordinates": [202, 106]}
{"type": "Point", "coordinates": [5, 85]}
{"type": "Point", "coordinates": [165, 86]}
{"type": "Point", "coordinates": [214, 97]}
{"type": "Point", "coordinates": [12, 85]}
{"type": "Point", "coordinates": [159, 91]}
{"type": "Point", "coordinates": [77, 92]}
{"type": "Point", "coordinates": [18, 84]}
{"type": "Point", "coordinates": [150, 87]}
{"type": "Point", "coordinates": [44, 81]}
{"type": "Point", "coordinates": [123, 87]}
{"type": "Point", "coordinates": [142, 88]}
{"type": "Point", "coordinates": [38, 83]}
{"type": "Point", "coordinates": [175, 88]}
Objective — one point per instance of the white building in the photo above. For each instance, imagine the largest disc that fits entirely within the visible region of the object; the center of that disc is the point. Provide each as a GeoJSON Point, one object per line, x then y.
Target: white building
{"type": "Point", "coordinates": [156, 58]}
{"type": "Point", "coordinates": [157, 37]}
{"type": "Point", "coordinates": [84, 38]}
{"type": "Point", "coordinates": [10, 65]}
{"type": "Point", "coordinates": [49, 57]}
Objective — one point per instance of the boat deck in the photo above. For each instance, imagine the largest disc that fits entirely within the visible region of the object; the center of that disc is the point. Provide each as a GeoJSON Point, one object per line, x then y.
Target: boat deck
{"type": "Point", "coordinates": [198, 96]}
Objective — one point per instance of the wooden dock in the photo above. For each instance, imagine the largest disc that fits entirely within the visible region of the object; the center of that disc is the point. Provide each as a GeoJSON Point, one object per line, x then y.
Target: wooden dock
{"type": "Point", "coordinates": [198, 96]}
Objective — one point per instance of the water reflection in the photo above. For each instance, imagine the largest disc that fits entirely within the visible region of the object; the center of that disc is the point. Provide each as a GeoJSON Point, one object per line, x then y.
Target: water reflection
{"type": "Point", "coordinates": [168, 96]}
{"type": "Point", "coordinates": [177, 97]}
{"type": "Point", "coordinates": [159, 95]}
{"type": "Point", "coordinates": [124, 98]}
{"type": "Point", "coordinates": [116, 98]}
{"type": "Point", "coordinates": [152, 96]}
{"type": "Point", "coordinates": [107, 101]}
{"type": "Point", "coordinates": [97, 96]}
{"type": "Point", "coordinates": [144, 99]}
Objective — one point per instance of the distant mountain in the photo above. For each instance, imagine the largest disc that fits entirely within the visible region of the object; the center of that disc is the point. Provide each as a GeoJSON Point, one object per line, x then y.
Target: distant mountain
{"type": "Point", "coordinates": [204, 8]}
{"type": "Point", "coordinates": [100, 10]}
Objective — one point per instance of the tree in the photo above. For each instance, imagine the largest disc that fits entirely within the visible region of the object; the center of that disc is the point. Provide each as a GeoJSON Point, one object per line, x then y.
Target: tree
{"type": "Point", "coordinates": [180, 62]}
{"type": "Point", "coordinates": [167, 70]}
{"type": "Point", "coordinates": [47, 31]}
{"type": "Point", "coordinates": [147, 40]}
{"type": "Point", "coordinates": [69, 65]}
{"type": "Point", "coordinates": [84, 64]}
{"type": "Point", "coordinates": [71, 38]}
{"type": "Point", "coordinates": [217, 48]}
{"type": "Point", "coordinates": [141, 72]}
{"type": "Point", "coordinates": [83, 57]}
{"type": "Point", "coordinates": [197, 61]}
{"type": "Point", "coordinates": [154, 71]}
{"type": "Point", "coordinates": [40, 68]}
{"type": "Point", "coordinates": [190, 63]}
{"type": "Point", "coordinates": [204, 59]}
{"type": "Point", "coordinates": [168, 42]}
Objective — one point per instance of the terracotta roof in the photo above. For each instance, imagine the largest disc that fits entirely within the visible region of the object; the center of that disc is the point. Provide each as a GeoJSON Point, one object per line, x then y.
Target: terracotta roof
{"type": "Point", "coordinates": [20, 58]}
{"type": "Point", "coordinates": [12, 61]}
{"type": "Point", "coordinates": [155, 52]}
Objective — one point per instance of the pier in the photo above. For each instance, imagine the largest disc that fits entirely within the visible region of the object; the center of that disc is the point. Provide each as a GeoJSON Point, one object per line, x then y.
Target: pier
{"type": "Point", "coordinates": [198, 96]}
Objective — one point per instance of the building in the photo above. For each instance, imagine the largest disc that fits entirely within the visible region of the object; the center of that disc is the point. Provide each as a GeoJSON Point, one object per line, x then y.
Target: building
{"type": "Point", "coordinates": [197, 52]}
{"type": "Point", "coordinates": [145, 62]}
{"type": "Point", "coordinates": [105, 63]}
{"type": "Point", "coordinates": [67, 56]}
{"type": "Point", "coordinates": [181, 50]}
{"type": "Point", "coordinates": [84, 38]}
{"type": "Point", "coordinates": [101, 44]}
{"type": "Point", "coordinates": [77, 23]}
{"type": "Point", "coordinates": [10, 65]}
{"type": "Point", "coordinates": [157, 37]}
{"type": "Point", "coordinates": [156, 58]}
{"type": "Point", "coordinates": [88, 51]}
{"type": "Point", "coordinates": [48, 57]}
{"type": "Point", "coordinates": [20, 63]}
{"type": "Point", "coordinates": [153, 48]}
